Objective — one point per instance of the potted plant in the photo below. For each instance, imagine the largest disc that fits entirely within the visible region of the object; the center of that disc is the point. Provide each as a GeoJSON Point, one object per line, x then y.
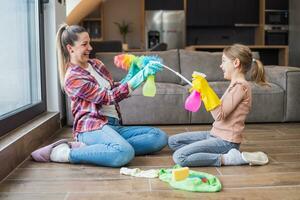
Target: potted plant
{"type": "Point", "coordinates": [124, 29]}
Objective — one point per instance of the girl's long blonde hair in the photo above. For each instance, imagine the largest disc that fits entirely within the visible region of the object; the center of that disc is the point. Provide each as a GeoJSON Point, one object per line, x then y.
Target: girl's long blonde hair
{"type": "Point", "coordinates": [65, 35]}
{"type": "Point", "coordinates": [244, 54]}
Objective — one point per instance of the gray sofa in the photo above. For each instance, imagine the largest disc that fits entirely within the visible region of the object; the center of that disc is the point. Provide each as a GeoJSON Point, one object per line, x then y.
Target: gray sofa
{"type": "Point", "coordinates": [279, 103]}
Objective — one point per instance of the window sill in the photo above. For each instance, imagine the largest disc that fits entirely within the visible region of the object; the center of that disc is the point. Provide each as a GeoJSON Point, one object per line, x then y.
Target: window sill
{"type": "Point", "coordinates": [17, 145]}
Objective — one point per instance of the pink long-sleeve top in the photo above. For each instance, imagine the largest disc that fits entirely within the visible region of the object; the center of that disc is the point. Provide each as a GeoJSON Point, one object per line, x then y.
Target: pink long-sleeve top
{"type": "Point", "coordinates": [230, 116]}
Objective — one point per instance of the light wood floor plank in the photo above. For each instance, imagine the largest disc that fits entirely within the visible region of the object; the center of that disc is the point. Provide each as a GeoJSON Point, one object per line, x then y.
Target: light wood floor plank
{"type": "Point", "coordinates": [62, 186]}
{"type": "Point", "coordinates": [233, 194]}
{"type": "Point", "coordinates": [32, 196]}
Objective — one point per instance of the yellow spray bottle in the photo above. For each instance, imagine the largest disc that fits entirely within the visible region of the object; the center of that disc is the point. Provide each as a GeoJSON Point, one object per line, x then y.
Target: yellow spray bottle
{"type": "Point", "coordinates": [149, 89]}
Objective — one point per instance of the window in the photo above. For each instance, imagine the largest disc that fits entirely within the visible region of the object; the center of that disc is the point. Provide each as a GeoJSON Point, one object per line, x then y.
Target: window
{"type": "Point", "coordinates": [22, 79]}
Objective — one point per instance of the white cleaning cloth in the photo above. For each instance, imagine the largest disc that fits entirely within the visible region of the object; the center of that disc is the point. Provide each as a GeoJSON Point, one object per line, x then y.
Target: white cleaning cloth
{"type": "Point", "coordinates": [151, 173]}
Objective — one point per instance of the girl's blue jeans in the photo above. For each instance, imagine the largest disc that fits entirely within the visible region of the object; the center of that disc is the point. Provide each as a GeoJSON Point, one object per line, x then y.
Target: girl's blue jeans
{"type": "Point", "coordinates": [115, 145]}
{"type": "Point", "coordinates": [199, 148]}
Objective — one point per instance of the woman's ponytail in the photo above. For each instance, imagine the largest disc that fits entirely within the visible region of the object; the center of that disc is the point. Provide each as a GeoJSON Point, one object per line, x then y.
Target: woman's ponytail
{"type": "Point", "coordinates": [62, 55]}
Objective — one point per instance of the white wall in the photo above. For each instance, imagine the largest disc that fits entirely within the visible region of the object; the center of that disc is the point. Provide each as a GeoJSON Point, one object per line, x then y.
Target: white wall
{"type": "Point", "coordinates": [55, 14]}
{"type": "Point", "coordinates": [128, 10]}
{"type": "Point", "coordinates": [70, 4]}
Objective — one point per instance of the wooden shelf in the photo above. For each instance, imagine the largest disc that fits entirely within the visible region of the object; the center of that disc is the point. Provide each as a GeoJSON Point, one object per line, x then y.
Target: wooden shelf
{"type": "Point", "coordinates": [92, 19]}
{"type": "Point", "coordinates": [82, 10]}
{"type": "Point", "coordinates": [93, 23]}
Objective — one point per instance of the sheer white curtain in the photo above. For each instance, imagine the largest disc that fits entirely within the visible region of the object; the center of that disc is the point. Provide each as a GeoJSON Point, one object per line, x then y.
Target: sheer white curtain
{"type": "Point", "coordinates": [20, 85]}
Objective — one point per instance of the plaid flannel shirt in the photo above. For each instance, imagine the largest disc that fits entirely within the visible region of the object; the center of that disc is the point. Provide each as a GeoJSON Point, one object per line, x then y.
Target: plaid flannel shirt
{"type": "Point", "coordinates": [87, 96]}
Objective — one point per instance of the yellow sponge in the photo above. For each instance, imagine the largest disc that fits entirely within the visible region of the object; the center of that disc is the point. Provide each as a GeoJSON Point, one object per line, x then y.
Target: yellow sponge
{"type": "Point", "coordinates": [180, 174]}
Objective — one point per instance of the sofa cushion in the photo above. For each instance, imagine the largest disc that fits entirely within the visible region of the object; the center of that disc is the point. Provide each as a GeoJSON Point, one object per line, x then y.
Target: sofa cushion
{"type": "Point", "coordinates": [167, 107]}
{"type": "Point", "coordinates": [287, 78]}
{"type": "Point", "coordinates": [267, 104]}
{"type": "Point", "coordinates": [201, 61]}
{"type": "Point", "coordinates": [205, 62]}
{"type": "Point", "coordinates": [170, 58]}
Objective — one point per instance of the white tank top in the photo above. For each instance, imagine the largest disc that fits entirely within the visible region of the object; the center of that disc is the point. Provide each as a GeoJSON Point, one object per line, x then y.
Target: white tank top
{"type": "Point", "coordinates": [106, 110]}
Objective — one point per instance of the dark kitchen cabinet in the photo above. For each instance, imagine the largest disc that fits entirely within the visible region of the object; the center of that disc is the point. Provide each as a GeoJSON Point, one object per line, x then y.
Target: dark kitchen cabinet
{"type": "Point", "coordinates": [222, 12]}
{"type": "Point", "coordinates": [277, 4]}
{"type": "Point", "coordinates": [210, 12]}
{"type": "Point", "coordinates": [164, 5]}
{"type": "Point", "coordinates": [246, 12]}
{"type": "Point", "coordinates": [198, 13]}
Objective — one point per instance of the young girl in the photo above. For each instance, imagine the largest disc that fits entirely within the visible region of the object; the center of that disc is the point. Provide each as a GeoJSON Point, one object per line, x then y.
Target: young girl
{"type": "Point", "coordinates": [102, 140]}
{"type": "Point", "coordinates": [220, 145]}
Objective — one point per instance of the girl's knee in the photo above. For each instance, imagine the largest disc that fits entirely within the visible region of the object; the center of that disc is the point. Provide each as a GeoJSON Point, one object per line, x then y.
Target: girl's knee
{"type": "Point", "coordinates": [172, 143]}
{"type": "Point", "coordinates": [179, 158]}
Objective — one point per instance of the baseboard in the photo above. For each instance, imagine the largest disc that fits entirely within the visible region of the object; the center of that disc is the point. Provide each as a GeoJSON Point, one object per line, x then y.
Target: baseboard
{"type": "Point", "coordinates": [17, 145]}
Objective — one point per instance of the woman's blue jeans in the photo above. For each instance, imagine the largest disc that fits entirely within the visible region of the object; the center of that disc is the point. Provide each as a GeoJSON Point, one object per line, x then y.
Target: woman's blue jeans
{"type": "Point", "coordinates": [199, 148]}
{"type": "Point", "coordinates": [116, 145]}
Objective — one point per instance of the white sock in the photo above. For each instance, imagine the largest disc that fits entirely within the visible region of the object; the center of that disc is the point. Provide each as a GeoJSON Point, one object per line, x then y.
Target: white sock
{"type": "Point", "coordinates": [60, 153]}
{"type": "Point", "coordinates": [233, 157]}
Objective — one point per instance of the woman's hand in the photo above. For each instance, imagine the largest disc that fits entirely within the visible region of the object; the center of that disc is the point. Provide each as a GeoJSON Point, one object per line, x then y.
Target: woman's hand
{"type": "Point", "coordinates": [133, 70]}
{"type": "Point", "coordinates": [141, 76]}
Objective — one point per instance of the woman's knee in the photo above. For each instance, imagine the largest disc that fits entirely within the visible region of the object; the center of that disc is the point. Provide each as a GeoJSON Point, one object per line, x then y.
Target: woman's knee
{"type": "Point", "coordinates": [160, 139]}
{"type": "Point", "coordinates": [117, 155]}
{"type": "Point", "coordinates": [123, 157]}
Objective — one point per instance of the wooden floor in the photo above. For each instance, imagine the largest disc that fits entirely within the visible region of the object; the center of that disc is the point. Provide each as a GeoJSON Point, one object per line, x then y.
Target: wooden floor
{"type": "Point", "coordinates": [280, 179]}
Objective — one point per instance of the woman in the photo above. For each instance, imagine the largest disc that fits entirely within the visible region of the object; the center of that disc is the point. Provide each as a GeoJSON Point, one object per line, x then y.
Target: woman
{"type": "Point", "coordinates": [101, 139]}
